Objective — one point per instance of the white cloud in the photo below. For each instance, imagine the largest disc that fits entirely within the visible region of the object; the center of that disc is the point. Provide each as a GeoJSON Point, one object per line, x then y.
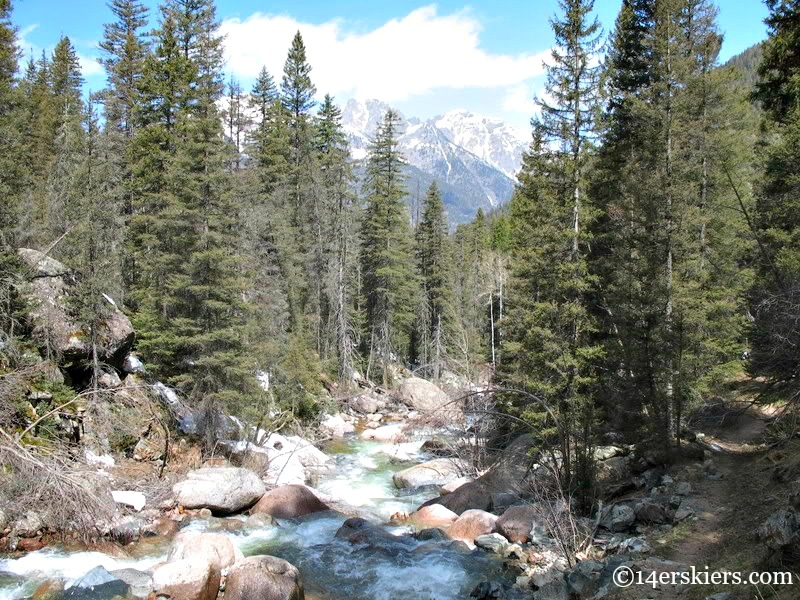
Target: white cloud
{"type": "Point", "coordinates": [90, 66]}
{"type": "Point", "coordinates": [404, 58]}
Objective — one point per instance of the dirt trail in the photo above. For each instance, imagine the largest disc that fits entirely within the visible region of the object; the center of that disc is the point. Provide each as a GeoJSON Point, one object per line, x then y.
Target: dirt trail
{"type": "Point", "coordinates": [729, 494]}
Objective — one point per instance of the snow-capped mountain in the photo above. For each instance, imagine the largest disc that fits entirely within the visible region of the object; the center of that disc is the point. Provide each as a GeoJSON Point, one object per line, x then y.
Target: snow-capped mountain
{"type": "Point", "coordinates": [472, 158]}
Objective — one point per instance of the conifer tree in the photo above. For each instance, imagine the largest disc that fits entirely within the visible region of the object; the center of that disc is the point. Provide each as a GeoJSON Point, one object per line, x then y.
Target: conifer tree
{"type": "Point", "coordinates": [189, 307]}
{"type": "Point", "coordinates": [671, 280]}
{"type": "Point", "coordinates": [434, 269]}
{"type": "Point", "coordinates": [549, 348]}
{"type": "Point", "coordinates": [776, 292]}
{"type": "Point", "coordinates": [340, 254]}
{"type": "Point", "coordinates": [386, 259]}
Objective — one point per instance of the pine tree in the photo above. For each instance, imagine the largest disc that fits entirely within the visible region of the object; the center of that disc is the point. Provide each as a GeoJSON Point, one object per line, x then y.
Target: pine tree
{"type": "Point", "coordinates": [433, 256]}
{"type": "Point", "coordinates": [669, 246]}
{"type": "Point", "coordinates": [124, 52]}
{"type": "Point", "coordinates": [12, 167]}
{"type": "Point", "coordinates": [341, 253]}
{"type": "Point", "coordinates": [549, 348]}
{"type": "Point", "coordinates": [189, 309]}
{"type": "Point", "coordinates": [776, 292]}
{"type": "Point", "coordinates": [388, 278]}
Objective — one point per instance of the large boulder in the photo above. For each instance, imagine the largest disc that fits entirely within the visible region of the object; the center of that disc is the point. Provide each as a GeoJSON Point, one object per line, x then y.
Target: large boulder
{"type": "Point", "coordinates": [97, 584]}
{"type": "Point", "coordinates": [390, 434]}
{"type": "Point", "coordinates": [364, 403]}
{"type": "Point", "coordinates": [434, 472]}
{"type": "Point", "coordinates": [619, 517]}
{"type": "Point", "coordinates": [335, 426]}
{"type": "Point", "coordinates": [517, 522]}
{"type": "Point", "coordinates": [50, 285]}
{"type": "Point", "coordinates": [222, 490]}
{"type": "Point", "coordinates": [292, 459]}
{"type": "Point", "coordinates": [434, 515]}
{"type": "Point", "coordinates": [263, 578]}
{"type": "Point", "coordinates": [471, 524]}
{"type": "Point", "coordinates": [289, 502]}
{"type": "Point", "coordinates": [422, 395]}
{"type": "Point", "coordinates": [215, 548]}
{"type": "Point", "coordinates": [360, 531]}
{"type": "Point", "coordinates": [469, 496]}
{"type": "Point", "coordinates": [187, 579]}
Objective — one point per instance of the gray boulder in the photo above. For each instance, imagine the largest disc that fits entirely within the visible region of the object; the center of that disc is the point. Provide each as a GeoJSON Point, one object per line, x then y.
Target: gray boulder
{"type": "Point", "coordinates": [493, 542]}
{"type": "Point", "coordinates": [47, 292]}
{"type": "Point", "coordinates": [619, 517]}
{"type": "Point", "coordinates": [422, 395]}
{"type": "Point", "coordinates": [97, 584]}
{"type": "Point", "coordinates": [439, 471]}
{"type": "Point", "coordinates": [364, 403]}
{"type": "Point", "coordinates": [140, 583]}
{"type": "Point", "coordinates": [223, 490]}
{"type": "Point", "coordinates": [263, 578]}
{"type": "Point", "coordinates": [188, 579]}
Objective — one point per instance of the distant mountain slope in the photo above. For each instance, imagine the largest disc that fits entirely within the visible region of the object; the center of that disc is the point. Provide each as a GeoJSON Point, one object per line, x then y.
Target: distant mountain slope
{"type": "Point", "coordinates": [472, 158]}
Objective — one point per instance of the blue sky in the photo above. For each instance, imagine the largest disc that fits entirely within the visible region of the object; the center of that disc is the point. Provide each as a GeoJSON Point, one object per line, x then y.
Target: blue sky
{"type": "Point", "coordinates": [424, 58]}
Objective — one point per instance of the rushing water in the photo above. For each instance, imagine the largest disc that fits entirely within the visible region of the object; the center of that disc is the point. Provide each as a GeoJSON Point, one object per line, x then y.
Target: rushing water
{"type": "Point", "coordinates": [332, 569]}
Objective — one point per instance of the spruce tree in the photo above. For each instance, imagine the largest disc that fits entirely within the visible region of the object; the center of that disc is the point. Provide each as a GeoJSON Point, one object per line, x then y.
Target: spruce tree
{"type": "Point", "coordinates": [548, 347]}
{"type": "Point", "coordinates": [340, 253]}
{"type": "Point", "coordinates": [386, 251]}
{"type": "Point", "coordinates": [776, 293]}
{"type": "Point", "coordinates": [435, 326]}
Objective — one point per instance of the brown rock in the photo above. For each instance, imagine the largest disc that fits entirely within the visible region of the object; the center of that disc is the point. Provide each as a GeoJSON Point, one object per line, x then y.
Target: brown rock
{"type": "Point", "coordinates": [49, 590]}
{"type": "Point", "coordinates": [215, 548]}
{"type": "Point", "coordinates": [471, 524]}
{"type": "Point", "coordinates": [472, 495]}
{"type": "Point", "coordinates": [188, 579]}
{"type": "Point", "coordinates": [434, 515]}
{"type": "Point", "coordinates": [263, 578]}
{"type": "Point", "coordinates": [289, 502]}
{"type": "Point", "coordinates": [516, 523]}
{"type": "Point", "coordinates": [30, 544]}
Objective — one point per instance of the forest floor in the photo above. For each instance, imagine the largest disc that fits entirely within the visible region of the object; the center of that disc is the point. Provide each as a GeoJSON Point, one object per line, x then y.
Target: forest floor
{"type": "Point", "coordinates": [731, 498]}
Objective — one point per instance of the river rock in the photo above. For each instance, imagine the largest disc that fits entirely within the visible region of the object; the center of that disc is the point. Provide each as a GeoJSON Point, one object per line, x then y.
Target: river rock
{"type": "Point", "coordinates": [472, 495]}
{"type": "Point", "coordinates": [49, 590]}
{"type": "Point", "coordinates": [471, 524]}
{"type": "Point", "coordinates": [493, 542]}
{"type": "Point", "coordinates": [3, 520]}
{"type": "Point", "coordinates": [335, 426]}
{"type": "Point", "coordinates": [215, 548]}
{"type": "Point", "coordinates": [360, 531]}
{"type": "Point", "coordinates": [387, 433]}
{"type": "Point", "coordinates": [28, 526]}
{"type": "Point", "coordinates": [289, 502]}
{"type": "Point", "coordinates": [422, 395]}
{"type": "Point", "coordinates": [434, 472]}
{"type": "Point", "coordinates": [49, 314]}
{"type": "Point", "coordinates": [188, 579]}
{"type": "Point", "coordinates": [452, 486]}
{"type": "Point", "coordinates": [437, 448]}
{"type": "Point", "coordinates": [517, 522]}
{"type": "Point", "coordinates": [365, 404]}
{"type": "Point", "coordinates": [97, 584]}
{"type": "Point", "coordinates": [434, 515]}
{"type": "Point", "coordinates": [140, 583]}
{"type": "Point", "coordinates": [223, 490]}
{"type": "Point", "coordinates": [619, 517]}
{"type": "Point", "coordinates": [292, 459]}
{"type": "Point", "coordinates": [263, 578]}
